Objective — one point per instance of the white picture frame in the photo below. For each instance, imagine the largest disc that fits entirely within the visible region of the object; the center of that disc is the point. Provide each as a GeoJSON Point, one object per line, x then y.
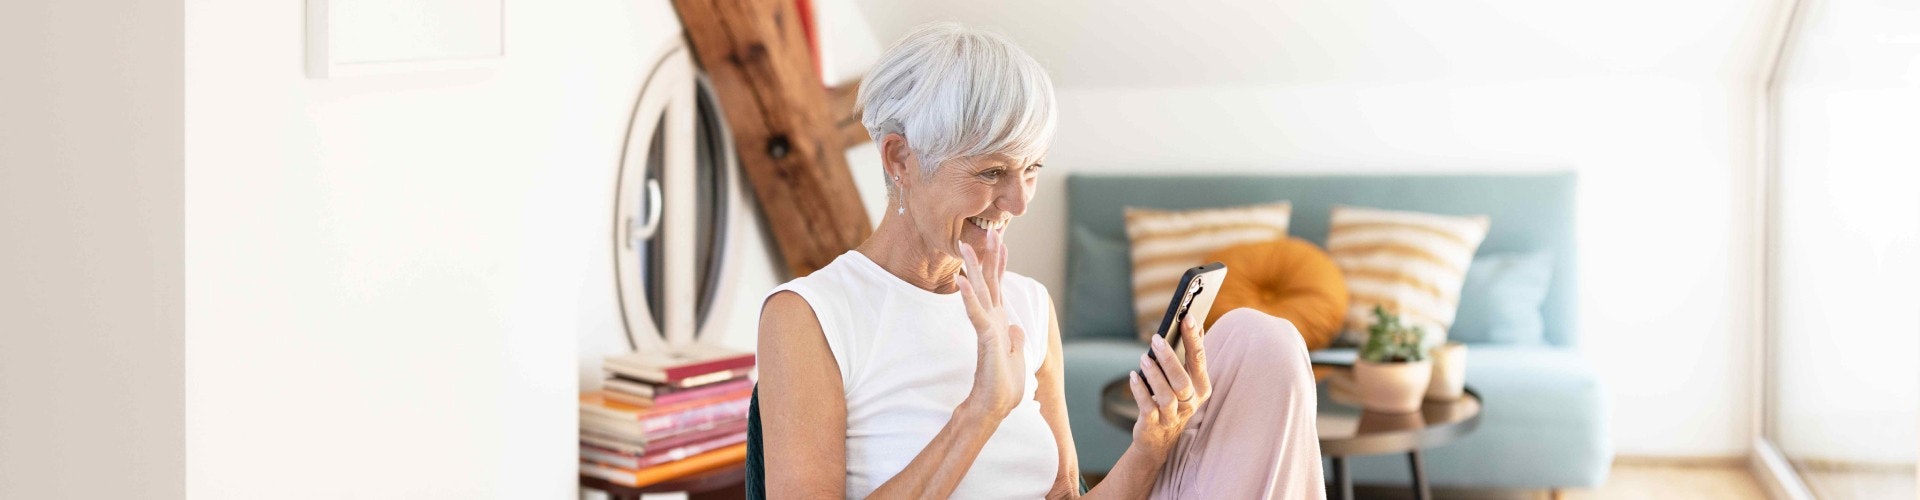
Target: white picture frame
{"type": "Point", "coordinates": [366, 37]}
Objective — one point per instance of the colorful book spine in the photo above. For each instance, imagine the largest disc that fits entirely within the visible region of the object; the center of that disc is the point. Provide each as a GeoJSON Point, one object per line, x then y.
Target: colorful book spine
{"type": "Point", "coordinates": [696, 435]}
{"type": "Point", "coordinates": [623, 427]}
{"type": "Point", "coordinates": [710, 378]}
{"type": "Point", "coordinates": [613, 443]}
{"type": "Point", "coordinates": [597, 403]}
{"type": "Point", "coordinates": [636, 444]}
{"type": "Point", "coordinates": [624, 398]}
{"type": "Point", "coordinates": [631, 460]}
{"type": "Point", "coordinates": [718, 365]}
{"type": "Point", "coordinates": [716, 389]}
{"type": "Point", "coordinates": [691, 418]}
{"type": "Point", "coordinates": [703, 462]}
{"type": "Point", "coordinates": [682, 452]}
{"type": "Point", "coordinates": [677, 375]}
{"type": "Point", "coordinates": [630, 386]}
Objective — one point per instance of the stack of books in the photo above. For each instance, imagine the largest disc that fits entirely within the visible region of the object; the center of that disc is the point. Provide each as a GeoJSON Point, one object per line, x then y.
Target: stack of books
{"type": "Point", "coordinates": [666, 414]}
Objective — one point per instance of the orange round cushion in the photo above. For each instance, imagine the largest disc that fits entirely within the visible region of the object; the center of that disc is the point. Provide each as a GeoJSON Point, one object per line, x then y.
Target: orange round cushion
{"type": "Point", "coordinates": [1288, 278]}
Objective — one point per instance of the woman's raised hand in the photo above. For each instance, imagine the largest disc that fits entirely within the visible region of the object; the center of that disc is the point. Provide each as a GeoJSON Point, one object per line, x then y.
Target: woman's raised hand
{"type": "Point", "coordinates": [1178, 389]}
{"type": "Point", "coordinates": [1001, 376]}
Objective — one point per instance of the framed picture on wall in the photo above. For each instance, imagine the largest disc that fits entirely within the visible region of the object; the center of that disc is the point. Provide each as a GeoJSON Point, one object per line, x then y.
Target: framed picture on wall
{"type": "Point", "coordinates": [359, 37]}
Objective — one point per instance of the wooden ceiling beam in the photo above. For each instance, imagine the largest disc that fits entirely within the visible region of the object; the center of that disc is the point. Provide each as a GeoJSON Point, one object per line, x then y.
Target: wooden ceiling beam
{"type": "Point", "coordinates": [840, 100]}
{"type": "Point", "coordinates": [788, 127]}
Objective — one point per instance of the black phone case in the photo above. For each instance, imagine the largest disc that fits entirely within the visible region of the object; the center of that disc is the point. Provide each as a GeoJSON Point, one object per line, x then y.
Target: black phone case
{"type": "Point", "coordinates": [1177, 309]}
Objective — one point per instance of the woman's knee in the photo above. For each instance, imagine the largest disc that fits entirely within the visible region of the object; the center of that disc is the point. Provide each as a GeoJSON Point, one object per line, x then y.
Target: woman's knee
{"type": "Point", "coordinates": [1262, 335]}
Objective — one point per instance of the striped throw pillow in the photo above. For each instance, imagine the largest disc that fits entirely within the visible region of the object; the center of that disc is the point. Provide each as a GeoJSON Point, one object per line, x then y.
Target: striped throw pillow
{"type": "Point", "coordinates": [1412, 263]}
{"type": "Point", "coordinates": [1166, 243]}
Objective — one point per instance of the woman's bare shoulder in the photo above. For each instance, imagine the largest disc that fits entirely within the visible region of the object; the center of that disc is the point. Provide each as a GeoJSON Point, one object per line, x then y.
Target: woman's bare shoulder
{"type": "Point", "coordinates": [786, 317]}
{"type": "Point", "coordinates": [786, 304]}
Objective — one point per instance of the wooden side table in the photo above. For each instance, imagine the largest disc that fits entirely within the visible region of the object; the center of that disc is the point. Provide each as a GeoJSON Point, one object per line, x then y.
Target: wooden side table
{"type": "Point", "coordinates": [1347, 430]}
{"type": "Point", "coordinates": [724, 483]}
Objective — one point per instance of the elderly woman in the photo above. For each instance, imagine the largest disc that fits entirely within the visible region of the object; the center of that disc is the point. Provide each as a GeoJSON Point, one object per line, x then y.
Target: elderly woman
{"type": "Point", "coordinates": [917, 366]}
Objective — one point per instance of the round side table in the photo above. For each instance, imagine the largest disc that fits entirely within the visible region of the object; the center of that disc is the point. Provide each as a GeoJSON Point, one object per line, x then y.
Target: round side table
{"type": "Point", "coordinates": [1346, 430]}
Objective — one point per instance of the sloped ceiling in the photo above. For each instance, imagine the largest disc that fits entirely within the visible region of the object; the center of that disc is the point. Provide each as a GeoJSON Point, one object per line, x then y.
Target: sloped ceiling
{"type": "Point", "coordinates": [1140, 43]}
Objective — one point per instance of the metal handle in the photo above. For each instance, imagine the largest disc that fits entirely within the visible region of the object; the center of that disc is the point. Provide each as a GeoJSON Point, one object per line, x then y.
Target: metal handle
{"type": "Point", "coordinates": [646, 231]}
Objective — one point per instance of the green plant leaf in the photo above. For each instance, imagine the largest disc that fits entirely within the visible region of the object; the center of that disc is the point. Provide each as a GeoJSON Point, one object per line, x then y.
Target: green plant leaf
{"type": "Point", "coordinates": [1389, 341]}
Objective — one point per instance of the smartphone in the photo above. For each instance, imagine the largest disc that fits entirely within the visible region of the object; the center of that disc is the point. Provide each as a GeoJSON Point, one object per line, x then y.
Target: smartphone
{"type": "Point", "coordinates": [1192, 296]}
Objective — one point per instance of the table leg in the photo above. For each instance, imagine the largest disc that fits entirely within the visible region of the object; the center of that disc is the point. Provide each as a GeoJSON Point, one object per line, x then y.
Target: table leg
{"type": "Point", "coordinates": [1342, 480]}
{"type": "Point", "coordinates": [1420, 491]}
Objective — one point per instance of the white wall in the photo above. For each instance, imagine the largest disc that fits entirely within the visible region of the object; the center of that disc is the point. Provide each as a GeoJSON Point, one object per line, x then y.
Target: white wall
{"type": "Point", "coordinates": [90, 246]}
{"type": "Point", "coordinates": [1654, 111]}
{"type": "Point", "coordinates": [1848, 241]}
{"type": "Point", "coordinates": [387, 276]}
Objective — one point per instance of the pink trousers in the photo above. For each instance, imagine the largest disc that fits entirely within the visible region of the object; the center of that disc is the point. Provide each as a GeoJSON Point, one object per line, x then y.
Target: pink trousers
{"type": "Point", "coordinates": [1255, 437]}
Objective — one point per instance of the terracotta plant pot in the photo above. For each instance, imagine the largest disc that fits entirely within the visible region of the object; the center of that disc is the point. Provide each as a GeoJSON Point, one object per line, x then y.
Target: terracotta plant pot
{"type": "Point", "coordinates": [1449, 371]}
{"type": "Point", "coordinates": [1392, 387]}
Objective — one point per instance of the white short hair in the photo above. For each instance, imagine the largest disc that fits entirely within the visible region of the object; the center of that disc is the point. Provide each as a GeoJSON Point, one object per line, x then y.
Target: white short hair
{"type": "Point", "coordinates": [955, 92]}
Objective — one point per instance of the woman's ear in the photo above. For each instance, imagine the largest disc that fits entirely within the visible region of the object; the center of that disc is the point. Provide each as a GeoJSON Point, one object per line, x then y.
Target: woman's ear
{"type": "Point", "coordinates": [896, 157]}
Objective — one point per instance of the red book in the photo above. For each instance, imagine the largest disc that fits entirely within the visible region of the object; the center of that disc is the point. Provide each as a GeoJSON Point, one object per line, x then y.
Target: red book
{"type": "Point", "coordinates": [730, 386]}
{"type": "Point", "coordinates": [722, 457]}
{"type": "Point", "coordinates": [649, 390]}
{"type": "Point", "coordinates": [696, 434]}
{"type": "Point", "coordinates": [634, 448]}
{"type": "Point", "coordinates": [665, 419]}
{"type": "Point", "coordinates": [694, 418]}
{"type": "Point", "coordinates": [676, 363]}
{"type": "Point", "coordinates": [652, 458]}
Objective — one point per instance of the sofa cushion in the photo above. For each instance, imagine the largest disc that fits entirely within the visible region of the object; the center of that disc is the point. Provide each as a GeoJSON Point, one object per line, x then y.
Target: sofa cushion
{"type": "Point", "coordinates": [1290, 278]}
{"type": "Point", "coordinates": [1099, 297]}
{"type": "Point", "coordinates": [1165, 243]}
{"type": "Point", "coordinates": [1411, 263]}
{"type": "Point", "coordinates": [1500, 302]}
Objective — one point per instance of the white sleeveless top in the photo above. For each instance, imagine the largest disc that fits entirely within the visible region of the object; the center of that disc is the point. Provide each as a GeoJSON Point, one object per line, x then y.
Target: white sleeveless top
{"type": "Point", "coordinates": [907, 358]}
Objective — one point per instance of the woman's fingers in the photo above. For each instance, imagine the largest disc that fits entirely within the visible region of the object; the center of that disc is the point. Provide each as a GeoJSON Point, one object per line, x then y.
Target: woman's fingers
{"type": "Point", "coordinates": [975, 314]}
{"type": "Point", "coordinates": [995, 262]}
{"type": "Point", "coordinates": [970, 295]}
{"type": "Point", "coordinates": [1003, 260]}
{"type": "Point", "coordinates": [1175, 371]}
{"type": "Point", "coordinates": [1141, 400]}
{"type": "Point", "coordinates": [1157, 379]}
{"type": "Point", "coordinates": [971, 272]}
{"type": "Point", "coordinates": [976, 275]}
{"type": "Point", "coordinates": [1191, 333]}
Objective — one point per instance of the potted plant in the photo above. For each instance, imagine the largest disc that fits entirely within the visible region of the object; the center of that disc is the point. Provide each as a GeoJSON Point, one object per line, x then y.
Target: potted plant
{"type": "Point", "coordinates": [1393, 371]}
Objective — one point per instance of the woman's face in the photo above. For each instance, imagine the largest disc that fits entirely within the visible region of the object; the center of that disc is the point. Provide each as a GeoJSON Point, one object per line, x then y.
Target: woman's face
{"type": "Point", "coordinates": [966, 197]}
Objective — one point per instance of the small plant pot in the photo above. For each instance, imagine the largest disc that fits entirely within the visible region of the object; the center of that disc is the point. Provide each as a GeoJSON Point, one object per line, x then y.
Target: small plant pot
{"type": "Point", "coordinates": [1392, 387]}
{"type": "Point", "coordinates": [1449, 371]}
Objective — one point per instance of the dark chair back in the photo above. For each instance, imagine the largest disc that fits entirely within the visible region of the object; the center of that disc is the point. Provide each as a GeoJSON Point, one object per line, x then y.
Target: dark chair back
{"type": "Point", "coordinates": [756, 466]}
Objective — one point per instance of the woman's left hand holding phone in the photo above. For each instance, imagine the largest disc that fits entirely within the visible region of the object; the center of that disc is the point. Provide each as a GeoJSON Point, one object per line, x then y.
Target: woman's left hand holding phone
{"type": "Point", "coordinates": [1179, 386]}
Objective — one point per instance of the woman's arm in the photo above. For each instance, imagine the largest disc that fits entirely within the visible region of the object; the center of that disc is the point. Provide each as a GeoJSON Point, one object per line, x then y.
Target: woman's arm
{"type": "Point", "coordinates": [803, 405]}
{"type": "Point", "coordinates": [1051, 394]}
{"type": "Point", "coordinates": [1131, 477]}
{"type": "Point", "coordinates": [804, 418]}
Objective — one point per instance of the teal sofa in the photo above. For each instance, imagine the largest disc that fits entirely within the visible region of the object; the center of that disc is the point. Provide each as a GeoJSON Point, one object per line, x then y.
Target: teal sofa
{"type": "Point", "coordinates": [1545, 420]}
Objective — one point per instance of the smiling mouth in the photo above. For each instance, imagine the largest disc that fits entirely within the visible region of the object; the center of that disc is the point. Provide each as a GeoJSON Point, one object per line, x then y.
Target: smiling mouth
{"type": "Point", "coordinates": [987, 224]}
